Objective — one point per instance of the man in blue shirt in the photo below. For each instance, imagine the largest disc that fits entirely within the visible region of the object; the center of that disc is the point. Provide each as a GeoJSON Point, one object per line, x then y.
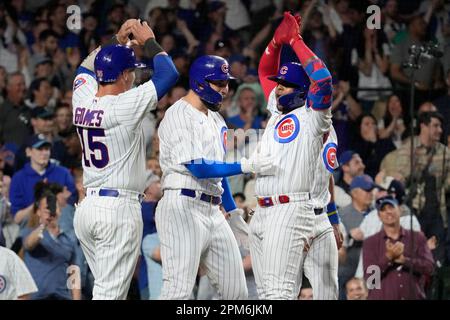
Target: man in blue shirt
{"type": "Point", "coordinates": [50, 252]}
{"type": "Point", "coordinates": [39, 168]}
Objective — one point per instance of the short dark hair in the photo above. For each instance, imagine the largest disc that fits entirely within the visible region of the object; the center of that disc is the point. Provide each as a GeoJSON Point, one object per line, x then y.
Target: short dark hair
{"type": "Point", "coordinates": [61, 105]}
{"type": "Point", "coordinates": [35, 85]}
{"type": "Point", "coordinates": [425, 117]}
{"type": "Point", "coordinates": [47, 33]}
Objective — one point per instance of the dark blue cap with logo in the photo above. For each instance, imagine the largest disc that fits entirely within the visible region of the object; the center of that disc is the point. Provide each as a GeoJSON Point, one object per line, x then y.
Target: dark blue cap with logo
{"type": "Point", "coordinates": [386, 200]}
{"type": "Point", "coordinates": [38, 141]}
{"type": "Point", "coordinates": [42, 113]}
{"type": "Point", "coordinates": [345, 157]}
{"type": "Point", "coordinates": [364, 182]}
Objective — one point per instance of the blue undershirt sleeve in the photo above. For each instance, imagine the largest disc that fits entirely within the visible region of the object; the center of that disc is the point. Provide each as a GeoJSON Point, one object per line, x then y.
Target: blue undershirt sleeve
{"type": "Point", "coordinates": [227, 198]}
{"type": "Point", "coordinates": [165, 76]}
{"type": "Point", "coordinates": [204, 169]}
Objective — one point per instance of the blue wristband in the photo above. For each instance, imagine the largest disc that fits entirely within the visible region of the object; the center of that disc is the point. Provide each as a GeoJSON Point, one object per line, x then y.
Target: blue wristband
{"type": "Point", "coordinates": [332, 213]}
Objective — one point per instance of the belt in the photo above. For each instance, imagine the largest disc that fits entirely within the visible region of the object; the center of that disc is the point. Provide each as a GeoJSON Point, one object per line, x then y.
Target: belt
{"type": "Point", "coordinates": [273, 200]}
{"type": "Point", "coordinates": [203, 196]}
{"type": "Point", "coordinates": [114, 193]}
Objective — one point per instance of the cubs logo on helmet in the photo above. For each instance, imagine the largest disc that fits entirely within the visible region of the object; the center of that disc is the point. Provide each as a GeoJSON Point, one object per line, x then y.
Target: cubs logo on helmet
{"type": "Point", "coordinates": [329, 156]}
{"type": "Point", "coordinates": [284, 70]}
{"type": "Point", "coordinates": [224, 68]}
{"type": "Point", "coordinates": [287, 129]}
{"type": "Point", "coordinates": [224, 136]}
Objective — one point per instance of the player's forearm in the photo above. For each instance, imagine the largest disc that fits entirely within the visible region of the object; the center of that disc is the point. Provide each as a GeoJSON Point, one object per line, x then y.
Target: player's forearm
{"type": "Point", "coordinates": [268, 65]}
{"type": "Point", "coordinates": [227, 197]}
{"type": "Point", "coordinates": [165, 76]}
{"type": "Point", "coordinates": [314, 67]}
{"type": "Point", "coordinates": [205, 169]}
{"type": "Point", "coordinates": [321, 88]}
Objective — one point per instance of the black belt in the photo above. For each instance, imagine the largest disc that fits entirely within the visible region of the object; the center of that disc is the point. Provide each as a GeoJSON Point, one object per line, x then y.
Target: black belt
{"type": "Point", "coordinates": [318, 211]}
{"type": "Point", "coordinates": [204, 197]}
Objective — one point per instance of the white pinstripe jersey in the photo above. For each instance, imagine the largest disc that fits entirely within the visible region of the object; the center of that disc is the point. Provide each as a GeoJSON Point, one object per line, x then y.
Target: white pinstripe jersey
{"type": "Point", "coordinates": [326, 164]}
{"type": "Point", "coordinates": [187, 134]}
{"type": "Point", "coordinates": [111, 133]}
{"type": "Point", "coordinates": [295, 139]}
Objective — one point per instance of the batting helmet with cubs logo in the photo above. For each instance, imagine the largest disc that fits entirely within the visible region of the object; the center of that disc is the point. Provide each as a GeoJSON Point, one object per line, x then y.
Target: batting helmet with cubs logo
{"type": "Point", "coordinates": [204, 70]}
{"type": "Point", "coordinates": [292, 75]}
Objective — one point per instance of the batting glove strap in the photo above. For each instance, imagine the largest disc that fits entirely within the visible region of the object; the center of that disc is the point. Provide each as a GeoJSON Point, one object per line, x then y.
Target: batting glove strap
{"type": "Point", "coordinates": [332, 213]}
{"type": "Point", "coordinates": [152, 48]}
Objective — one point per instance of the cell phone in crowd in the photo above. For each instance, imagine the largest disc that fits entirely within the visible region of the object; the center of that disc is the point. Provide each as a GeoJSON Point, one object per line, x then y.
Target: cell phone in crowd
{"type": "Point", "coordinates": [51, 204]}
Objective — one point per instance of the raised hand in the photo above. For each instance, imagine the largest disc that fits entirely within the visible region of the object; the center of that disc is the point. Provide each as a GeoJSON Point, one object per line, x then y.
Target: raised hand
{"type": "Point", "coordinates": [288, 30]}
{"type": "Point", "coordinates": [282, 32]}
{"type": "Point", "coordinates": [142, 32]}
{"type": "Point", "coordinates": [125, 31]}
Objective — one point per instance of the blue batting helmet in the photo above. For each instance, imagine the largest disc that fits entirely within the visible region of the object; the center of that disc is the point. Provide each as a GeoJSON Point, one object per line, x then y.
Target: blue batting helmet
{"type": "Point", "coordinates": [205, 69]}
{"type": "Point", "coordinates": [292, 75]}
{"type": "Point", "coordinates": [112, 60]}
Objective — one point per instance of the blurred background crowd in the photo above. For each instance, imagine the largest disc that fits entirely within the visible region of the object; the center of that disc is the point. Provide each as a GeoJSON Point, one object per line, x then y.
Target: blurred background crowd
{"type": "Point", "coordinates": [40, 153]}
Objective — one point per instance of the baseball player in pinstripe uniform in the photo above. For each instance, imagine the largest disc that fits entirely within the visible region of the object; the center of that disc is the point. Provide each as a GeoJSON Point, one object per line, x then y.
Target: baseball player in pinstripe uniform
{"type": "Point", "coordinates": [192, 229]}
{"type": "Point", "coordinates": [321, 261]}
{"type": "Point", "coordinates": [284, 221]}
{"type": "Point", "coordinates": [108, 115]}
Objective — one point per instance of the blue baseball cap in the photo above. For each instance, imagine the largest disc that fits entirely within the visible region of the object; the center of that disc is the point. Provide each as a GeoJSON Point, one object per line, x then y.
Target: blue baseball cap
{"type": "Point", "coordinates": [345, 157]}
{"type": "Point", "coordinates": [42, 113]}
{"type": "Point", "coordinates": [386, 200]}
{"type": "Point", "coordinates": [38, 141]}
{"type": "Point", "coordinates": [364, 182]}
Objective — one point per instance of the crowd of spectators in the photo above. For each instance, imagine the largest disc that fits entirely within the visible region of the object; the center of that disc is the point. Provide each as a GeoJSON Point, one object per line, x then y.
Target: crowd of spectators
{"type": "Point", "coordinates": [39, 55]}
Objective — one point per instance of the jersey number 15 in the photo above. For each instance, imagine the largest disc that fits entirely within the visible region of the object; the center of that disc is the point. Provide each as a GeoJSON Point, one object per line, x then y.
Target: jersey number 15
{"type": "Point", "coordinates": [94, 151]}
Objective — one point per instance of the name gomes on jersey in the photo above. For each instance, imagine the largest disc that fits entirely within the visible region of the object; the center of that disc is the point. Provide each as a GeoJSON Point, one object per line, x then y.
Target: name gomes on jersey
{"type": "Point", "coordinates": [287, 129]}
{"type": "Point", "coordinates": [95, 152]}
{"type": "Point", "coordinates": [329, 156]}
{"type": "Point", "coordinates": [89, 118]}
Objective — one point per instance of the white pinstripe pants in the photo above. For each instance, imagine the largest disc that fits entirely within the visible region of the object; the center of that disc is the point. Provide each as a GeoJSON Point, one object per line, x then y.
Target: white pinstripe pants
{"type": "Point", "coordinates": [110, 233]}
{"type": "Point", "coordinates": [277, 239]}
{"type": "Point", "coordinates": [321, 261]}
{"type": "Point", "coordinates": [194, 232]}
